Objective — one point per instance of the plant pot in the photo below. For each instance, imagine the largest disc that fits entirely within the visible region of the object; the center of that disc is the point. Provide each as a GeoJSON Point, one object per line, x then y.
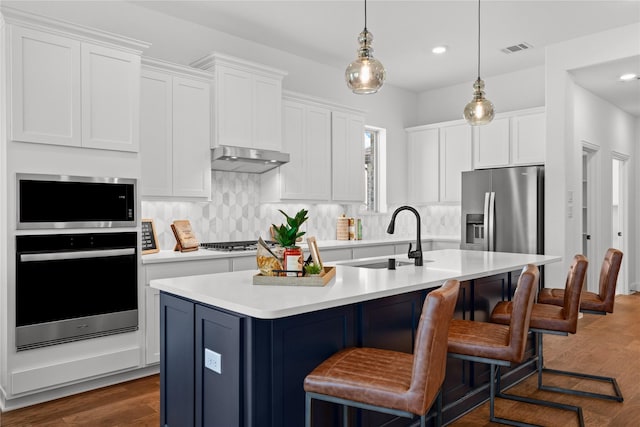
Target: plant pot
{"type": "Point", "coordinates": [293, 260]}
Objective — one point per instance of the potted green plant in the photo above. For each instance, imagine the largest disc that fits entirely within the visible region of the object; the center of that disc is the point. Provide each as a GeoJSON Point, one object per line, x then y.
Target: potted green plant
{"type": "Point", "coordinates": [286, 235]}
{"type": "Point", "coordinates": [312, 269]}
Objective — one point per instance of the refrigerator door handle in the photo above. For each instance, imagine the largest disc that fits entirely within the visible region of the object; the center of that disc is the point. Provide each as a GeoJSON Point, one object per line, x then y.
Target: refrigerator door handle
{"type": "Point", "coordinates": [492, 221]}
{"type": "Point", "coordinates": [485, 225]}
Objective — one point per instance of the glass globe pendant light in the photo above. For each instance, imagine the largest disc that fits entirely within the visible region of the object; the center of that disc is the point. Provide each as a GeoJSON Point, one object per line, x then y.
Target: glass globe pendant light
{"type": "Point", "coordinates": [479, 111]}
{"type": "Point", "coordinates": [365, 74]}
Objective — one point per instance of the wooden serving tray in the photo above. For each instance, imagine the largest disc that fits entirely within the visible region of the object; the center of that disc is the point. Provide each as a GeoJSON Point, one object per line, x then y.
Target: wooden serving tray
{"type": "Point", "coordinates": [321, 280]}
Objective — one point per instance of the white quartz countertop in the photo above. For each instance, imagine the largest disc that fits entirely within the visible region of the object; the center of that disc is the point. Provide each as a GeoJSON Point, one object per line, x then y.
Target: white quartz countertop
{"type": "Point", "coordinates": [173, 256]}
{"type": "Point", "coordinates": [235, 291]}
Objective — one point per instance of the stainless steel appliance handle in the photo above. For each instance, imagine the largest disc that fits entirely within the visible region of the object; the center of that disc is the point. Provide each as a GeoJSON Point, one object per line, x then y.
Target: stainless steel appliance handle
{"type": "Point", "coordinates": [485, 223]}
{"type": "Point", "coordinates": [57, 256]}
{"type": "Point", "coordinates": [492, 221]}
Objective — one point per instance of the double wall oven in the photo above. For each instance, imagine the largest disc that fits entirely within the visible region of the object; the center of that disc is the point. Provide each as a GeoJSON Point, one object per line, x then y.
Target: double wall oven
{"type": "Point", "coordinates": [73, 283]}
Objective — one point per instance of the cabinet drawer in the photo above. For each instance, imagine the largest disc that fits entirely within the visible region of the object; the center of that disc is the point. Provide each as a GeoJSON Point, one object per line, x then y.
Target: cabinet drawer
{"type": "Point", "coordinates": [186, 268]}
{"type": "Point", "coordinates": [373, 251]}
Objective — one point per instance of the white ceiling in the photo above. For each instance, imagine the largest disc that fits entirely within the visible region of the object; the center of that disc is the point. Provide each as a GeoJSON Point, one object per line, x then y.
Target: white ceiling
{"type": "Point", "coordinates": [406, 31]}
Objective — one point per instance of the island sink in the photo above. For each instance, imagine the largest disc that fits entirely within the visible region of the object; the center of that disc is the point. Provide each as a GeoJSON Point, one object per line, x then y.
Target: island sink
{"type": "Point", "coordinates": [384, 263]}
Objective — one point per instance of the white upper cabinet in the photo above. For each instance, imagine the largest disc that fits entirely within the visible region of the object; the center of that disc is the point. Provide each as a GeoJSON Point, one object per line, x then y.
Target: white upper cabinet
{"type": "Point", "coordinates": [45, 88]}
{"type": "Point", "coordinates": [73, 89]}
{"type": "Point", "coordinates": [247, 106]}
{"type": "Point", "coordinates": [307, 139]}
{"type": "Point", "coordinates": [175, 131]}
{"type": "Point", "coordinates": [513, 138]}
{"type": "Point", "coordinates": [492, 144]}
{"type": "Point", "coordinates": [347, 154]}
{"type": "Point", "coordinates": [455, 157]}
{"type": "Point", "coordinates": [110, 98]}
{"type": "Point", "coordinates": [528, 135]}
{"type": "Point", "coordinates": [437, 155]}
{"type": "Point", "coordinates": [423, 165]}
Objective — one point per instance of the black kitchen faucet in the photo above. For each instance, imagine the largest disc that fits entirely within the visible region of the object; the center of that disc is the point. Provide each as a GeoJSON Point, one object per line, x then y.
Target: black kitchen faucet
{"type": "Point", "coordinates": [417, 254]}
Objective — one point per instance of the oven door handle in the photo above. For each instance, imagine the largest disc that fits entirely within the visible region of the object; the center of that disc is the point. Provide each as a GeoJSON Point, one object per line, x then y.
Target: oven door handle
{"type": "Point", "coordinates": [58, 256]}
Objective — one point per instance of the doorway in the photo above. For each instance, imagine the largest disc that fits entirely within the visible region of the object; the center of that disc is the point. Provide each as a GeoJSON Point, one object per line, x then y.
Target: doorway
{"type": "Point", "coordinates": [619, 223]}
{"type": "Point", "coordinates": [590, 212]}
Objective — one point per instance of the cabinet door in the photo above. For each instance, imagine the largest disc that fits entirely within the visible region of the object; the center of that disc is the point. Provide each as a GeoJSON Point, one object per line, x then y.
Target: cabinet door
{"type": "Point", "coordinates": [156, 134]}
{"type": "Point", "coordinates": [233, 107]}
{"type": "Point", "coordinates": [423, 166]}
{"type": "Point", "coordinates": [191, 145]}
{"type": "Point", "coordinates": [528, 139]}
{"type": "Point", "coordinates": [307, 139]}
{"type": "Point", "coordinates": [45, 88]}
{"type": "Point", "coordinates": [177, 367]}
{"type": "Point", "coordinates": [491, 145]}
{"type": "Point", "coordinates": [110, 98]}
{"type": "Point", "coordinates": [152, 325]}
{"type": "Point", "coordinates": [455, 157]}
{"type": "Point", "coordinates": [347, 150]}
{"type": "Point", "coordinates": [267, 114]}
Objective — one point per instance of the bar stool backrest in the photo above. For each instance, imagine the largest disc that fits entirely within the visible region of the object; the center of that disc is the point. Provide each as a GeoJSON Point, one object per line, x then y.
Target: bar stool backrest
{"type": "Point", "coordinates": [521, 313]}
{"type": "Point", "coordinates": [430, 351]}
{"type": "Point", "coordinates": [609, 278]}
{"type": "Point", "coordinates": [573, 290]}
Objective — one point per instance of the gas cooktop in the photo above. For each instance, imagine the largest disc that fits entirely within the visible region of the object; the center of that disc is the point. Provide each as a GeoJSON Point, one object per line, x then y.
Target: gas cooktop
{"type": "Point", "coordinates": [245, 245]}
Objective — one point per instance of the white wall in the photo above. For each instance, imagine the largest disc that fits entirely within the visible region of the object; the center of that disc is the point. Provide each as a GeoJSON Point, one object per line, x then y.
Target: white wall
{"type": "Point", "coordinates": [183, 42]}
{"type": "Point", "coordinates": [508, 92]}
{"type": "Point", "coordinates": [605, 126]}
{"type": "Point", "coordinates": [563, 164]}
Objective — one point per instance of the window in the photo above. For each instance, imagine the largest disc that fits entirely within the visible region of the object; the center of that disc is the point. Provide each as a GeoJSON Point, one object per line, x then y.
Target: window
{"type": "Point", "coordinates": [375, 161]}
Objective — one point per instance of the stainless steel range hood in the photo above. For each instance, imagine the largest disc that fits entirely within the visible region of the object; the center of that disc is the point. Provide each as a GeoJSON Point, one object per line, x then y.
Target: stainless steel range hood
{"type": "Point", "coordinates": [247, 160]}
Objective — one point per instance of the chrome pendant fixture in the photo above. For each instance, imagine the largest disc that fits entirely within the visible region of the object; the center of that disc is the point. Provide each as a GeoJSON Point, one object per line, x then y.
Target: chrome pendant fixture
{"type": "Point", "coordinates": [366, 74]}
{"type": "Point", "coordinates": [479, 111]}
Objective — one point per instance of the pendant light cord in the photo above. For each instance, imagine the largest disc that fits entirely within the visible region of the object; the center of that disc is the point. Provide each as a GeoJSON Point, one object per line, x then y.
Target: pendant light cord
{"type": "Point", "coordinates": [478, 38]}
{"type": "Point", "coordinates": [365, 15]}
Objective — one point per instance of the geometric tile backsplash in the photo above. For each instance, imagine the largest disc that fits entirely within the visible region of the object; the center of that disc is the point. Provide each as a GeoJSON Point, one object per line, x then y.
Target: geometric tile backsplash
{"type": "Point", "coordinates": [235, 213]}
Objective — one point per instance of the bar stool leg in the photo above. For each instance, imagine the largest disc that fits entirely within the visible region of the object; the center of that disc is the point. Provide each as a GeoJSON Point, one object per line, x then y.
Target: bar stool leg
{"type": "Point", "coordinates": [345, 416]}
{"type": "Point", "coordinates": [307, 410]}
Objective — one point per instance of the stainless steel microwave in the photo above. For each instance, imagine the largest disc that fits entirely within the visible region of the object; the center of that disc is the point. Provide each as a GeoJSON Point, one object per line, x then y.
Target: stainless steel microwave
{"type": "Point", "coordinates": [61, 201]}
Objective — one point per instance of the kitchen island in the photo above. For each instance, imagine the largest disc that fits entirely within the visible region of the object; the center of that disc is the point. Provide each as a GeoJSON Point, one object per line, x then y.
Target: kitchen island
{"type": "Point", "coordinates": [260, 341]}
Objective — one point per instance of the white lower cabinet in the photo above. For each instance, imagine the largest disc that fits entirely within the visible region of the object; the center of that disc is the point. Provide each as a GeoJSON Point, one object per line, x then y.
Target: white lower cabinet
{"type": "Point", "coordinates": [152, 325]}
{"type": "Point", "coordinates": [174, 131]}
{"type": "Point", "coordinates": [373, 251]}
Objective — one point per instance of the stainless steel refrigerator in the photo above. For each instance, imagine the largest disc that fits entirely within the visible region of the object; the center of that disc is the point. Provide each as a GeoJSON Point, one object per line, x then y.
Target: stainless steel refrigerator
{"type": "Point", "coordinates": [503, 210]}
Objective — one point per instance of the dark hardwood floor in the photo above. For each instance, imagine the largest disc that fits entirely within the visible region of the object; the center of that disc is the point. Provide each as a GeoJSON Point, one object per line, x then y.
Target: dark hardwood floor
{"type": "Point", "coordinates": [605, 345]}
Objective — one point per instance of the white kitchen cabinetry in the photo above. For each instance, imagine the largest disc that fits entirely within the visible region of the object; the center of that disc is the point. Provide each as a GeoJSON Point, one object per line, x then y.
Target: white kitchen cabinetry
{"type": "Point", "coordinates": [75, 91]}
{"type": "Point", "coordinates": [247, 102]}
{"type": "Point", "coordinates": [174, 131]}
{"type": "Point", "coordinates": [347, 154]}
{"type": "Point", "coordinates": [423, 165]}
{"type": "Point", "coordinates": [492, 144]}
{"type": "Point", "coordinates": [513, 138]}
{"type": "Point", "coordinates": [455, 157]}
{"type": "Point", "coordinates": [437, 155]}
{"type": "Point", "coordinates": [152, 322]}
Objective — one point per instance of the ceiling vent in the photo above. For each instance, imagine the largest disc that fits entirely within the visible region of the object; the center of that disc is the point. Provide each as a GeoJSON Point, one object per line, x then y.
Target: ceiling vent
{"type": "Point", "coordinates": [517, 47]}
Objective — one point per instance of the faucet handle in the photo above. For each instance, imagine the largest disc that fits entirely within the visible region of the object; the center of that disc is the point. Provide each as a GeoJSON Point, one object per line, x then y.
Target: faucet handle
{"type": "Point", "coordinates": [412, 254]}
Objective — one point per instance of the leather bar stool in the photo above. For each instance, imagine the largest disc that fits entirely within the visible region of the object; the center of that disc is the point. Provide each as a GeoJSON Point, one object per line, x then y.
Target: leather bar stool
{"type": "Point", "coordinates": [551, 319]}
{"type": "Point", "coordinates": [591, 302]}
{"type": "Point", "coordinates": [390, 381]}
{"type": "Point", "coordinates": [501, 345]}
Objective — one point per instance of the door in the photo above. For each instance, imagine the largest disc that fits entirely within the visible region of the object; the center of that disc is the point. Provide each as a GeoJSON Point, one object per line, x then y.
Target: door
{"type": "Point", "coordinates": [516, 210]}
{"type": "Point", "coordinates": [618, 214]}
{"type": "Point", "coordinates": [590, 202]}
{"type": "Point", "coordinates": [45, 82]}
{"type": "Point", "coordinates": [110, 98]}
{"type": "Point", "coordinates": [475, 186]}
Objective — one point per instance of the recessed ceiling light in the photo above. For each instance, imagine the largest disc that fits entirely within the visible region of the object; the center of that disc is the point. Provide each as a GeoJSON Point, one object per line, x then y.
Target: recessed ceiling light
{"type": "Point", "coordinates": [438, 50]}
{"type": "Point", "coordinates": [628, 77]}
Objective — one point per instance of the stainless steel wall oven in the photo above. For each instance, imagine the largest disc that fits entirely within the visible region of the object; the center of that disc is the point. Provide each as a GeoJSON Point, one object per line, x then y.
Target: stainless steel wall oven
{"type": "Point", "coordinates": [75, 286]}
